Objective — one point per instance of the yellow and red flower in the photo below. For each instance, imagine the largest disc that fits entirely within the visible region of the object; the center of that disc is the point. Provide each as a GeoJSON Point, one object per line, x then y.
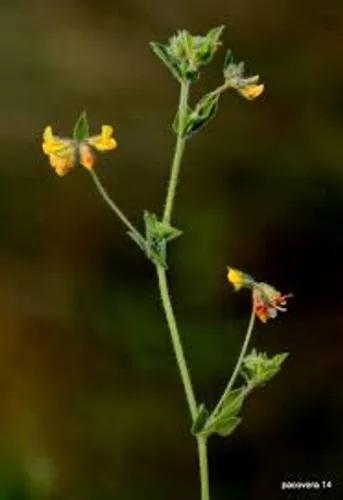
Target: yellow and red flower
{"type": "Point", "coordinates": [268, 301]}
{"type": "Point", "coordinates": [65, 153]}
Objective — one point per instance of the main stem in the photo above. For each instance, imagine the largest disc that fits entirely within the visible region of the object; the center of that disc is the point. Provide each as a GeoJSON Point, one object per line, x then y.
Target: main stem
{"type": "Point", "coordinates": [165, 295]}
{"type": "Point", "coordinates": [178, 154]}
{"type": "Point", "coordinates": [203, 468]}
{"type": "Point", "coordinates": [176, 341]}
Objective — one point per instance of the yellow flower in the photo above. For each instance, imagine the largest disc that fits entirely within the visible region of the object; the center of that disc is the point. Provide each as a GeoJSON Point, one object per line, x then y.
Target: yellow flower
{"type": "Point", "coordinates": [61, 152]}
{"type": "Point", "coordinates": [266, 300]}
{"type": "Point", "coordinates": [239, 279]}
{"type": "Point", "coordinates": [250, 92]}
{"type": "Point", "coordinates": [64, 153]}
{"type": "Point", "coordinates": [104, 141]}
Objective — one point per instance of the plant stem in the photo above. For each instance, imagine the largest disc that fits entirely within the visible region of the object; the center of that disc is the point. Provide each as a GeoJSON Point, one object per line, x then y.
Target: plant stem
{"type": "Point", "coordinates": [114, 207]}
{"type": "Point", "coordinates": [177, 345]}
{"type": "Point", "coordinates": [203, 468]}
{"type": "Point", "coordinates": [239, 362]}
{"type": "Point", "coordinates": [165, 296]}
{"type": "Point", "coordinates": [179, 150]}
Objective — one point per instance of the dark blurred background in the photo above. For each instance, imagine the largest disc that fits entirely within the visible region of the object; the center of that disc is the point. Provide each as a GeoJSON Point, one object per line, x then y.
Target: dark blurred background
{"type": "Point", "coordinates": [91, 403]}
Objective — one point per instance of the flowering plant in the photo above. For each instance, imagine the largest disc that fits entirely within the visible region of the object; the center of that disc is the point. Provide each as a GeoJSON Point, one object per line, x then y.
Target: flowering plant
{"type": "Point", "coordinates": [185, 56]}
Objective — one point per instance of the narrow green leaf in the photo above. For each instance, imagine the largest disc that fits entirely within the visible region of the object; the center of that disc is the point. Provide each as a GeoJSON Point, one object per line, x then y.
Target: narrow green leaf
{"type": "Point", "coordinates": [228, 59]}
{"type": "Point", "coordinates": [162, 53]}
{"type": "Point", "coordinates": [278, 359]}
{"type": "Point", "coordinates": [81, 128]}
{"type": "Point", "coordinates": [216, 32]}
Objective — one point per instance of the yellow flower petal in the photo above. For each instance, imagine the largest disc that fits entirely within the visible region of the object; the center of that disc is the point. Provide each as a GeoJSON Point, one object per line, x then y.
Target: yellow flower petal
{"type": "Point", "coordinates": [104, 141]}
{"type": "Point", "coordinates": [250, 92]}
{"type": "Point", "coordinates": [53, 144]}
{"type": "Point", "coordinates": [47, 134]}
{"type": "Point", "coordinates": [62, 164]}
{"type": "Point", "coordinates": [236, 278]}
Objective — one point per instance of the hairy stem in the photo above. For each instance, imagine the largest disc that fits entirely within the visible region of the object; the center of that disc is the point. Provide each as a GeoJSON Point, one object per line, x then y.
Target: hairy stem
{"type": "Point", "coordinates": [114, 207]}
{"type": "Point", "coordinates": [165, 296]}
{"type": "Point", "coordinates": [239, 362]}
{"type": "Point", "coordinates": [203, 468]}
{"type": "Point", "coordinates": [178, 154]}
{"type": "Point", "coordinates": [177, 345]}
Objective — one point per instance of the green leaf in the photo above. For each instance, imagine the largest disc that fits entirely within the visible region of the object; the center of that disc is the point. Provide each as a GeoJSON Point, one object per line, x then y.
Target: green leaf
{"type": "Point", "coordinates": [158, 234]}
{"type": "Point", "coordinates": [227, 419]}
{"type": "Point", "coordinates": [162, 53]}
{"type": "Point", "coordinates": [200, 419]}
{"type": "Point", "coordinates": [228, 59]}
{"type": "Point", "coordinates": [224, 426]}
{"type": "Point", "coordinates": [81, 128]}
{"type": "Point", "coordinates": [159, 230]}
{"type": "Point", "coordinates": [215, 33]}
{"type": "Point", "coordinates": [233, 402]}
{"type": "Point", "coordinates": [204, 111]}
{"type": "Point", "coordinates": [278, 359]}
{"type": "Point", "coordinates": [258, 368]}
{"type": "Point", "coordinates": [206, 46]}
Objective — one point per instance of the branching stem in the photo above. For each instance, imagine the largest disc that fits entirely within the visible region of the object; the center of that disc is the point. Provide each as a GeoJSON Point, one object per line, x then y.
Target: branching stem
{"type": "Point", "coordinates": [114, 207]}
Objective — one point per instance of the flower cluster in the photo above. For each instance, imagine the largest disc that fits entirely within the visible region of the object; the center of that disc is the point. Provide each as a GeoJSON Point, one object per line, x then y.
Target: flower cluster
{"type": "Point", "coordinates": [65, 153]}
{"type": "Point", "coordinates": [267, 300]}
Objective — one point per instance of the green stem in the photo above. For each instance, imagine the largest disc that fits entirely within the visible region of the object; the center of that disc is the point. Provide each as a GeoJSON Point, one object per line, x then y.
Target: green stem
{"type": "Point", "coordinates": [239, 362]}
{"type": "Point", "coordinates": [178, 154]}
{"type": "Point", "coordinates": [114, 207]}
{"type": "Point", "coordinates": [219, 90]}
{"type": "Point", "coordinates": [203, 468]}
{"type": "Point", "coordinates": [177, 345]}
{"type": "Point", "coordinates": [165, 296]}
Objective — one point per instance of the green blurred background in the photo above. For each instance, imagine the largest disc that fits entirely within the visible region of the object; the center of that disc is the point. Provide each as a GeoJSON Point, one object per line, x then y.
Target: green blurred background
{"type": "Point", "coordinates": [91, 404]}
